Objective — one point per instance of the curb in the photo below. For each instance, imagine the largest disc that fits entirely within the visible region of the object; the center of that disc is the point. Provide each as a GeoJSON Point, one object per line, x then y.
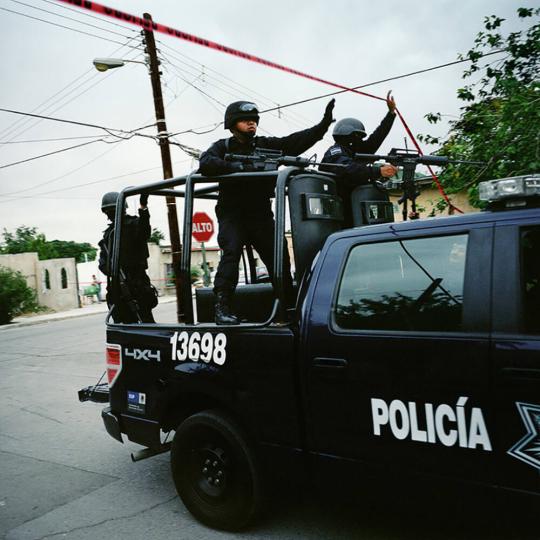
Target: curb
{"type": "Point", "coordinates": [61, 316]}
{"type": "Point", "coordinates": [31, 321]}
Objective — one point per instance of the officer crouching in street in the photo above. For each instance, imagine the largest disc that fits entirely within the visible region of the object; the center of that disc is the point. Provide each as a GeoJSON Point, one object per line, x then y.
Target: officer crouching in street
{"type": "Point", "coordinates": [244, 207]}
{"type": "Point", "coordinates": [350, 137]}
{"type": "Point", "coordinates": [137, 296]}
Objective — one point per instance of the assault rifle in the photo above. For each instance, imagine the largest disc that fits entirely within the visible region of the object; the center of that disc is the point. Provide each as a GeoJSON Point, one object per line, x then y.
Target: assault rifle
{"type": "Point", "coordinates": [265, 159]}
{"type": "Point", "coordinates": [409, 159]}
{"type": "Point", "coordinates": [124, 293]}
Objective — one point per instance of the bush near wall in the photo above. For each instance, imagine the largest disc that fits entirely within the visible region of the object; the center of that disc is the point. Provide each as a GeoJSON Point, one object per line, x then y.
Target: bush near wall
{"type": "Point", "coordinates": [16, 296]}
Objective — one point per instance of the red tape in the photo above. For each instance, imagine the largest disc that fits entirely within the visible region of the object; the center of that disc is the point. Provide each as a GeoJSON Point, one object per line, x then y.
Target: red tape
{"type": "Point", "coordinates": [169, 31]}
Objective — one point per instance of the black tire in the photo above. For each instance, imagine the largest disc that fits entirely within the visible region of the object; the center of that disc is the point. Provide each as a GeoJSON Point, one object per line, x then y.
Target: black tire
{"type": "Point", "coordinates": [215, 471]}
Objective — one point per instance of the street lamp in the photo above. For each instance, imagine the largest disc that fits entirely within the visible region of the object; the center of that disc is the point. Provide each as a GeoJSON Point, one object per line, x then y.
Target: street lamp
{"type": "Point", "coordinates": [103, 64]}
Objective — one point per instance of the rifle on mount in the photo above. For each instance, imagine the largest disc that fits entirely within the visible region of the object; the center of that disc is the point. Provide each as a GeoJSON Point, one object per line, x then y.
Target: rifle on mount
{"type": "Point", "coordinates": [409, 159]}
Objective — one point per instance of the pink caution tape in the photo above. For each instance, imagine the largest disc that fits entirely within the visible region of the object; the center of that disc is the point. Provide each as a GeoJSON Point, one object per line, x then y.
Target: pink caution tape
{"type": "Point", "coordinates": [169, 31]}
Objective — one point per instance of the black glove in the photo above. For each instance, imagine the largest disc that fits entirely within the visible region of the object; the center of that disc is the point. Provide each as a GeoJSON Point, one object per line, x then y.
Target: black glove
{"type": "Point", "coordinates": [328, 117]}
{"type": "Point", "coordinates": [144, 199]}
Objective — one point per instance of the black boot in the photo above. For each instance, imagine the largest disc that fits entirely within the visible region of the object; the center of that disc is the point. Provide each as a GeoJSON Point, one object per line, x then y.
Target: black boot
{"type": "Point", "coordinates": [223, 313]}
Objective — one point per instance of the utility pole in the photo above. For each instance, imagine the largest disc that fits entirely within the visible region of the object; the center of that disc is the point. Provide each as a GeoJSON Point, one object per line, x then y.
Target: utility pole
{"type": "Point", "coordinates": [174, 233]}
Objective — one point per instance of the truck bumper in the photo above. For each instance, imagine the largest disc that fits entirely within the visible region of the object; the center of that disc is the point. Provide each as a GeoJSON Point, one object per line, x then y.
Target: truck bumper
{"type": "Point", "coordinates": [98, 393]}
{"type": "Point", "coordinates": [112, 424]}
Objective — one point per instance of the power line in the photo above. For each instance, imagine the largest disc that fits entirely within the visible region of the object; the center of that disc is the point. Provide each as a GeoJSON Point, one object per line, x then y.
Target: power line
{"type": "Point", "coordinates": [63, 26]}
{"type": "Point", "coordinates": [88, 183]}
{"type": "Point", "coordinates": [52, 140]}
{"type": "Point", "coordinates": [440, 66]}
{"type": "Point", "coordinates": [433, 68]}
{"type": "Point", "coordinates": [78, 11]}
{"type": "Point", "coordinates": [76, 123]}
{"type": "Point", "coordinates": [55, 152]}
{"type": "Point", "coordinates": [11, 129]}
{"type": "Point", "coordinates": [69, 18]}
{"type": "Point", "coordinates": [300, 118]}
{"type": "Point", "coordinates": [62, 176]}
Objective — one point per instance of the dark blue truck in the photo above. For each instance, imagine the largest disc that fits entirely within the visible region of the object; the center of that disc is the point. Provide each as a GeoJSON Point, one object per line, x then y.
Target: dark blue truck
{"type": "Point", "coordinates": [413, 346]}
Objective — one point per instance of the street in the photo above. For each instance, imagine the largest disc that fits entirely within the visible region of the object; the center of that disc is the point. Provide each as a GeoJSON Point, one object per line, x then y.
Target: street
{"type": "Point", "coordinates": [63, 476]}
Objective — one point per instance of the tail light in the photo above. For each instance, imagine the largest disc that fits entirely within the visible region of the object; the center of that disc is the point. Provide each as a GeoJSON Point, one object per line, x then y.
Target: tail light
{"type": "Point", "coordinates": [113, 362]}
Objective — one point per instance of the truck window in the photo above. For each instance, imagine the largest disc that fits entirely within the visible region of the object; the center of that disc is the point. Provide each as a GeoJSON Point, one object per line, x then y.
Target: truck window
{"type": "Point", "coordinates": [530, 280]}
{"type": "Point", "coordinates": [404, 285]}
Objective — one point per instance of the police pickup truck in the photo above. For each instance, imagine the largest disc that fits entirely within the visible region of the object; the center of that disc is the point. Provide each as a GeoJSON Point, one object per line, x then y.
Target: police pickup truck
{"type": "Point", "coordinates": [413, 346]}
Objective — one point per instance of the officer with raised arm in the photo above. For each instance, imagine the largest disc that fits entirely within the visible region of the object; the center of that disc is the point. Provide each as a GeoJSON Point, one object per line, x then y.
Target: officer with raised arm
{"type": "Point", "coordinates": [350, 137]}
{"type": "Point", "coordinates": [244, 207]}
{"type": "Point", "coordinates": [137, 296]}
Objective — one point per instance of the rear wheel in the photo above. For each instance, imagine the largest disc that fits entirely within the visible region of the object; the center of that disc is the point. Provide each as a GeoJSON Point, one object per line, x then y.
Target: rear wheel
{"type": "Point", "coordinates": [215, 471]}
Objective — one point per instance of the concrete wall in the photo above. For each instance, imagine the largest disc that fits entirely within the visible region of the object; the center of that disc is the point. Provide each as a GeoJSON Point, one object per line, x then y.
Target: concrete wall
{"type": "Point", "coordinates": [55, 294]}
{"type": "Point", "coordinates": [25, 263]}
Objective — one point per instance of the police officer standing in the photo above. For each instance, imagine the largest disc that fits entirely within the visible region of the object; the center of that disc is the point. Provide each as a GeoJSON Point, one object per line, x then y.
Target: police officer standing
{"type": "Point", "coordinates": [137, 296]}
{"type": "Point", "coordinates": [350, 137]}
{"type": "Point", "coordinates": [244, 207]}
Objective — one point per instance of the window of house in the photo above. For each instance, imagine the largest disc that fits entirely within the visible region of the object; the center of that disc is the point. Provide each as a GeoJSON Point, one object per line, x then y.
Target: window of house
{"type": "Point", "coordinates": [46, 280]}
{"type": "Point", "coordinates": [64, 278]}
{"type": "Point", "coordinates": [412, 285]}
{"type": "Point", "coordinates": [530, 280]}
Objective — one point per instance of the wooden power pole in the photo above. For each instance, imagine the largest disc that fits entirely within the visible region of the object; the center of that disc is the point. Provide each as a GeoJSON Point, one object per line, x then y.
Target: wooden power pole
{"type": "Point", "coordinates": [174, 233]}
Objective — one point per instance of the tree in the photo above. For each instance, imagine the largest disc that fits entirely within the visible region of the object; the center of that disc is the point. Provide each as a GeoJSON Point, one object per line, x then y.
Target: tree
{"type": "Point", "coordinates": [499, 121]}
{"type": "Point", "coordinates": [16, 296]}
{"type": "Point", "coordinates": [156, 237]}
{"type": "Point", "coordinates": [27, 239]}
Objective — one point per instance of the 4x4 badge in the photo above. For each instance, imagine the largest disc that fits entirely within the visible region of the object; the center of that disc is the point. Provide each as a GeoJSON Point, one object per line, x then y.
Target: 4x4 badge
{"type": "Point", "coordinates": [527, 449]}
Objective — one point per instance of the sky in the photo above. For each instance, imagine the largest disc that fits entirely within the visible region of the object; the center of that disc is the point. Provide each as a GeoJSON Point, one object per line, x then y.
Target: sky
{"type": "Point", "coordinates": [47, 70]}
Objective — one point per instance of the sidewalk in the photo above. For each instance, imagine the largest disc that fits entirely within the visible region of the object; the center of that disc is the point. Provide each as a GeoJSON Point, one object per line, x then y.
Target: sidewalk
{"type": "Point", "coordinates": [84, 311]}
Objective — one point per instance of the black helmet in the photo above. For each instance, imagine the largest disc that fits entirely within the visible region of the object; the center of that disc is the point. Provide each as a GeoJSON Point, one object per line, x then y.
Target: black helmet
{"type": "Point", "coordinates": [108, 202]}
{"type": "Point", "coordinates": [347, 127]}
{"type": "Point", "coordinates": [240, 110]}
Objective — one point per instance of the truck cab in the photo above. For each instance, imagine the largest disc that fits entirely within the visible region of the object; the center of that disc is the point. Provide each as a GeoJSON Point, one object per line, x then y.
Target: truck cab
{"type": "Point", "coordinates": [412, 347]}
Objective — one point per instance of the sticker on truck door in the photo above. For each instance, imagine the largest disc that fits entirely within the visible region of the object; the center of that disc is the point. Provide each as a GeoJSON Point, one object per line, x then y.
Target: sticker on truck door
{"type": "Point", "coordinates": [196, 347]}
{"type": "Point", "coordinates": [527, 449]}
{"type": "Point", "coordinates": [136, 402]}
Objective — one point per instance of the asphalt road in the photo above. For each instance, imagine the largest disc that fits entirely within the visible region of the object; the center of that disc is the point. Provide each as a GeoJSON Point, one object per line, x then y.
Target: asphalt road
{"type": "Point", "coordinates": [62, 476]}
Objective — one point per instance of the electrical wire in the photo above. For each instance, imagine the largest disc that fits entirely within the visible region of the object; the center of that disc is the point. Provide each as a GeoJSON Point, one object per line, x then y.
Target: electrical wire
{"type": "Point", "coordinates": [402, 76]}
{"type": "Point", "coordinates": [181, 76]}
{"type": "Point", "coordinates": [85, 184]}
{"type": "Point", "coordinates": [102, 19]}
{"type": "Point", "coordinates": [322, 96]}
{"type": "Point", "coordinates": [15, 132]}
{"type": "Point", "coordinates": [76, 123]}
{"type": "Point", "coordinates": [52, 140]}
{"type": "Point", "coordinates": [69, 18]}
{"type": "Point", "coordinates": [300, 119]}
{"type": "Point", "coordinates": [64, 26]}
{"type": "Point", "coordinates": [55, 152]}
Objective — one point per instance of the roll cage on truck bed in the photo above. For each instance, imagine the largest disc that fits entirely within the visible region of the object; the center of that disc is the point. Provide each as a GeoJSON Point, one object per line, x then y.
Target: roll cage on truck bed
{"type": "Point", "coordinates": [351, 379]}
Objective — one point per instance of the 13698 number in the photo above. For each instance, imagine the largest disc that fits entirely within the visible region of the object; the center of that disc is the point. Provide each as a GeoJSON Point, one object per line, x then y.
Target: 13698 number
{"type": "Point", "coordinates": [207, 347]}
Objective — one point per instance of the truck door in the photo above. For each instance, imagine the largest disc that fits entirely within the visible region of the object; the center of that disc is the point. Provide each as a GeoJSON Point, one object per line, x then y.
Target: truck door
{"type": "Point", "coordinates": [397, 351]}
{"type": "Point", "coordinates": [516, 351]}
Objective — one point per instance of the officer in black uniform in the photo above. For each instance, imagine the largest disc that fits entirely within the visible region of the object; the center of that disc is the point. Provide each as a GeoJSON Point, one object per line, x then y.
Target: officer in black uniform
{"type": "Point", "coordinates": [137, 296]}
{"type": "Point", "coordinates": [244, 208]}
{"type": "Point", "coordinates": [350, 137]}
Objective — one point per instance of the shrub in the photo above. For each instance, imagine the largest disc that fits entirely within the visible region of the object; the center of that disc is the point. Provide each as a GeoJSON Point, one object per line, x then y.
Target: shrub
{"type": "Point", "coordinates": [16, 296]}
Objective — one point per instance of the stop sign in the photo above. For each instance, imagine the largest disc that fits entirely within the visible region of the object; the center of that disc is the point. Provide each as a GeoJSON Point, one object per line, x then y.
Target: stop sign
{"type": "Point", "coordinates": [203, 227]}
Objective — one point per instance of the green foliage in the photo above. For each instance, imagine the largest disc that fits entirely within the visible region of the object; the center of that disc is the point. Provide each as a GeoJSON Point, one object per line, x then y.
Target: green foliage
{"type": "Point", "coordinates": [499, 121]}
{"type": "Point", "coordinates": [156, 237]}
{"type": "Point", "coordinates": [15, 295]}
{"type": "Point", "coordinates": [196, 273]}
{"type": "Point", "coordinates": [28, 239]}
